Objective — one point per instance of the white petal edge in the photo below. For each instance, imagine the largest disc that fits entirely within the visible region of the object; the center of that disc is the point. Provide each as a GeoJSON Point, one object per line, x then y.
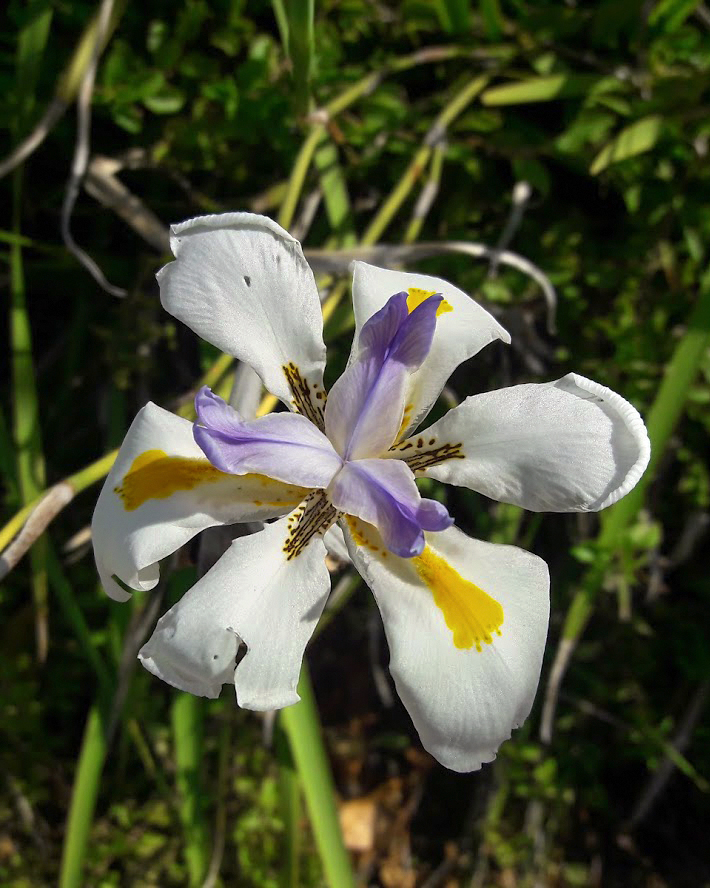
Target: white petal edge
{"type": "Point", "coordinates": [460, 334]}
{"type": "Point", "coordinates": [464, 703]}
{"type": "Point", "coordinates": [335, 544]}
{"type": "Point", "coordinates": [571, 445]}
{"type": "Point", "coordinates": [253, 594]}
{"type": "Point", "coordinates": [241, 282]}
{"type": "Point", "coordinates": [130, 544]}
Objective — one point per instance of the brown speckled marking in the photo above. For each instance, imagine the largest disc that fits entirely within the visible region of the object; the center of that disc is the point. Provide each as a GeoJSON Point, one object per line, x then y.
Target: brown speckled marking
{"type": "Point", "coordinates": [310, 403]}
{"type": "Point", "coordinates": [363, 535]}
{"type": "Point", "coordinates": [423, 459]}
{"type": "Point", "coordinates": [313, 516]}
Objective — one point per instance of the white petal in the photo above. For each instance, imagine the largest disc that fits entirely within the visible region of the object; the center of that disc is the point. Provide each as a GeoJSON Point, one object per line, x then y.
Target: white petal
{"type": "Point", "coordinates": [253, 593]}
{"type": "Point", "coordinates": [566, 446]}
{"type": "Point", "coordinates": [464, 701]}
{"type": "Point", "coordinates": [174, 496]}
{"type": "Point", "coordinates": [335, 544]}
{"type": "Point", "coordinates": [241, 282]}
{"type": "Point", "coordinates": [461, 332]}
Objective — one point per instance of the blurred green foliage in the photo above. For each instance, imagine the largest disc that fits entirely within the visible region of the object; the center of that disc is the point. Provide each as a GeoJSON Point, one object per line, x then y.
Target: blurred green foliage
{"type": "Point", "coordinates": [604, 109]}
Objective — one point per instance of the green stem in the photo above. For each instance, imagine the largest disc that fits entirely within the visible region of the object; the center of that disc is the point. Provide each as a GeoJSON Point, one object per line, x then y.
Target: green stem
{"type": "Point", "coordinates": [290, 804]}
{"type": "Point", "coordinates": [26, 422]}
{"type": "Point", "coordinates": [335, 194]}
{"type": "Point", "coordinates": [98, 470]}
{"type": "Point", "coordinates": [300, 49]}
{"type": "Point", "coordinates": [340, 103]}
{"type": "Point", "coordinates": [187, 716]}
{"type": "Point", "coordinates": [75, 617]}
{"type": "Point", "coordinates": [298, 175]}
{"type": "Point", "coordinates": [663, 417]}
{"type": "Point", "coordinates": [432, 186]}
{"type": "Point", "coordinates": [302, 727]}
{"type": "Point", "coordinates": [418, 163]}
{"type": "Point", "coordinates": [83, 801]}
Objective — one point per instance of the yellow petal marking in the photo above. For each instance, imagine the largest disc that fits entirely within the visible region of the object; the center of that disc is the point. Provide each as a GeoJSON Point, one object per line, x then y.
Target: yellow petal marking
{"type": "Point", "coordinates": [416, 296]}
{"type": "Point", "coordinates": [406, 420]}
{"type": "Point", "coordinates": [470, 613]}
{"type": "Point", "coordinates": [155, 475]}
{"type": "Point", "coordinates": [364, 535]}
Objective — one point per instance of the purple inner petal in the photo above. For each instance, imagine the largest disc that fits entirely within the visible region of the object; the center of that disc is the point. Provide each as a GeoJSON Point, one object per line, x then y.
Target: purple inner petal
{"type": "Point", "coordinates": [284, 446]}
{"type": "Point", "coordinates": [366, 405]}
{"type": "Point", "coordinates": [383, 492]}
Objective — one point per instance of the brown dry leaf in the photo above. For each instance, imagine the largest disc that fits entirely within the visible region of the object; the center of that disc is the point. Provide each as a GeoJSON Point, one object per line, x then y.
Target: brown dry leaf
{"type": "Point", "coordinates": [357, 820]}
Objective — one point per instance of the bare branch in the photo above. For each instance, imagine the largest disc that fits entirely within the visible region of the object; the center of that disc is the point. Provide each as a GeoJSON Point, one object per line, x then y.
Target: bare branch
{"type": "Point", "coordinates": [81, 155]}
{"type": "Point", "coordinates": [48, 508]}
{"type": "Point", "coordinates": [103, 184]}
{"type": "Point", "coordinates": [334, 261]}
{"type": "Point", "coordinates": [28, 146]}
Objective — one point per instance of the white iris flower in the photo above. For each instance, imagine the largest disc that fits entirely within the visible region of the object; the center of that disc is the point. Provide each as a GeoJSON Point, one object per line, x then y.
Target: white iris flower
{"type": "Point", "coordinates": [466, 621]}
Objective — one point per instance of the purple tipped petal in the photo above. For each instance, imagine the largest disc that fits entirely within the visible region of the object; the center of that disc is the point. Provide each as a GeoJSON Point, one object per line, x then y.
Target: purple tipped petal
{"type": "Point", "coordinates": [378, 332]}
{"type": "Point", "coordinates": [215, 413]}
{"type": "Point", "coordinates": [413, 340]}
{"type": "Point", "coordinates": [366, 405]}
{"type": "Point", "coordinates": [433, 515]}
{"type": "Point", "coordinates": [395, 334]}
{"type": "Point", "coordinates": [383, 492]}
{"type": "Point", "coordinates": [284, 446]}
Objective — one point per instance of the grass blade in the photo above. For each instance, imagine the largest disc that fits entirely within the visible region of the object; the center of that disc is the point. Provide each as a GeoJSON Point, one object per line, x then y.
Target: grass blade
{"type": "Point", "coordinates": [187, 716]}
{"type": "Point", "coordinates": [301, 724]}
{"type": "Point", "coordinates": [83, 801]}
{"type": "Point", "coordinates": [662, 418]}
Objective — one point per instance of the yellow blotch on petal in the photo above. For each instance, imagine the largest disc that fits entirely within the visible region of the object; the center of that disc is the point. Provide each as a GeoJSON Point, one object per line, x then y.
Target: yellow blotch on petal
{"type": "Point", "coordinates": [361, 534]}
{"type": "Point", "coordinates": [406, 420]}
{"type": "Point", "coordinates": [155, 475]}
{"type": "Point", "coordinates": [470, 613]}
{"type": "Point", "coordinates": [415, 297]}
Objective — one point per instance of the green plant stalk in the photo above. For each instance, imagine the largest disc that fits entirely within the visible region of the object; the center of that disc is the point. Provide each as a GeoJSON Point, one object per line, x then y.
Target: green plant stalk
{"type": "Point", "coordinates": [73, 74]}
{"type": "Point", "coordinates": [221, 791]}
{"type": "Point", "coordinates": [290, 805]}
{"type": "Point", "coordinates": [67, 84]}
{"type": "Point", "coordinates": [96, 471]}
{"type": "Point", "coordinates": [31, 43]}
{"type": "Point", "coordinates": [9, 237]}
{"type": "Point", "coordinates": [340, 103]}
{"type": "Point", "coordinates": [662, 418]}
{"type": "Point", "coordinates": [335, 194]}
{"type": "Point", "coordinates": [26, 422]}
{"type": "Point", "coordinates": [75, 617]}
{"type": "Point", "coordinates": [300, 49]}
{"type": "Point", "coordinates": [456, 15]}
{"type": "Point", "coordinates": [492, 18]}
{"type": "Point", "coordinates": [135, 732]}
{"type": "Point", "coordinates": [298, 175]}
{"type": "Point", "coordinates": [83, 801]}
{"type": "Point", "coordinates": [187, 717]}
{"type": "Point", "coordinates": [77, 482]}
{"type": "Point", "coordinates": [397, 196]}
{"type": "Point", "coordinates": [301, 725]}
{"type": "Point", "coordinates": [432, 184]}
{"type": "Point", "coordinates": [413, 173]}
{"type": "Point", "coordinates": [212, 377]}
{"type": "Point", "coordinates": [281, 21]}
